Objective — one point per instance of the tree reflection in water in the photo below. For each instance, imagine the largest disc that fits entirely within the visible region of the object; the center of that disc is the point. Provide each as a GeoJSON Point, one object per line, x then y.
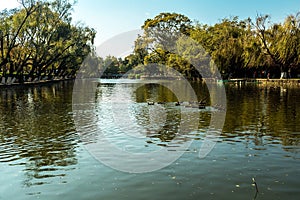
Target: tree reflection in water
{"type": "Point", "coordinates": [37, 132]}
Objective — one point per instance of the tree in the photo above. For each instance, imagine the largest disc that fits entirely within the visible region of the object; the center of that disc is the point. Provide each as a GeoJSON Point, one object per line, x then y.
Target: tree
{"type": "Point", "coordinates": [225, 44]}
{"type": "Point", "coordinates": [40, 41]}
{"type": "Point", "coordinates": [253, 52]}
{"type": "Point", "coordinates": [237, 47]}
{"type": "Point", "coordinates": [280, 41]}
{"type": "Point", "coordinates": [158, 44]}
{"type": "Point", "coordinates": [10, 30]}
{"type": "Point", "coordinates": [164, 30]}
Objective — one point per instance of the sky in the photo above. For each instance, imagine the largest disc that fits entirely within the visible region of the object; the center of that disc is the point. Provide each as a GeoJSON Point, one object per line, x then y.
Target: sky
{"type": "Point", "coordinates": [113, 17]}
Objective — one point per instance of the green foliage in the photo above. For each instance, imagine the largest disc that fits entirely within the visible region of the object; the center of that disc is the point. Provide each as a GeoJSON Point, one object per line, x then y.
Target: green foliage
{"type": "Point", "coordinates": [39, 41]}
{"type": "Point", "coordinates": [281, 42]}
{"type": "Point", "coordinates": [237, 47]}
{"type": "Point", "coordinates": [164, 30]}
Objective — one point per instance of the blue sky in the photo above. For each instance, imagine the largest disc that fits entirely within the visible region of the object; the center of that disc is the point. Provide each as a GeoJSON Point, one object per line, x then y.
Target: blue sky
{"type": "Point", "coordinates": [112, 17]}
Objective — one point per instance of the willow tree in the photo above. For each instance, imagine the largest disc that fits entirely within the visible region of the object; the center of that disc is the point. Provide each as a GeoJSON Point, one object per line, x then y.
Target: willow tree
{"type": "Point", "coordinates": [42, 42]}
{"type": "Point", "coordinates": [253, 52]}
{"type": "Point", "coordinates": [237, 47]}
{"type": "Point", "coordinates": [228, 46]}
{"type": "Point", "coordinates": [290, 55]}
{"type": "Point", "coordinates": [10, 29]}
{"type": "Point", "coordinates": [280, 41]}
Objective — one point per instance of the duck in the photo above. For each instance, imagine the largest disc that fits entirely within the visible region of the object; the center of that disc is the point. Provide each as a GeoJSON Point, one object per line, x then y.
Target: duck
{"type": "Point", "coordinates": [177, 103]}
{"type": "Point", "coordinates": [201, 106]}
{"type": "Point", "coordinates": [150, 102]}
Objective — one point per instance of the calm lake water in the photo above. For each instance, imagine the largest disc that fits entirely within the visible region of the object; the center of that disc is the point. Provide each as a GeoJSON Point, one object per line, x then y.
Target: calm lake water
{"type": "Point", "coordinates": [42, 156]}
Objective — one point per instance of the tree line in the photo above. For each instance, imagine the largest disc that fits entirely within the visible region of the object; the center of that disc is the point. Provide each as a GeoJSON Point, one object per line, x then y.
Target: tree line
{"type": "Point", "coordinates": [38, 41]}
{"type": "Point", "coordinates": [239, 48]}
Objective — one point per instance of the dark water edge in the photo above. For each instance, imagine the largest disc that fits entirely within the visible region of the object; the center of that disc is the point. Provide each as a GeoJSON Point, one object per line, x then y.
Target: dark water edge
{"type": "Point", "coordinates": [37, 83]}
{"type": "Point", "coordinates": [41, 155]}
{"type": "Point", "coordinates": [267, 82]}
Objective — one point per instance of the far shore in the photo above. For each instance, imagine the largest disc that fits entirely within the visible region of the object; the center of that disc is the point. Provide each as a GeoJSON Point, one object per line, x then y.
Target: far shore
{"type": "Point", "coordinates": [263, 81]}
{"type": "Point", "coordinates": [35, 83]}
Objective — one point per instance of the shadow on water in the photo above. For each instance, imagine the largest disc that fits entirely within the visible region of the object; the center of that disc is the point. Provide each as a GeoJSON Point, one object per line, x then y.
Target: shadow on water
{"type": "Point", "coordinates": [266, 115]}
{"type": "Point", "coordinates": [37, 131]}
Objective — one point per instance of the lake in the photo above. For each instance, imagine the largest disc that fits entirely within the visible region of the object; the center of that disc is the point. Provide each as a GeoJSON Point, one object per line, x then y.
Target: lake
{"type": "Point", "coordinates": [51, 149]}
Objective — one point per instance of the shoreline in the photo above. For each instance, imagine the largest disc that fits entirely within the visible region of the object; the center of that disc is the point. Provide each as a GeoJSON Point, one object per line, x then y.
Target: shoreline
{"type": "Point", "coordinates": [37, 83]}
{"type": "Point", "coordinates": [264, 81]}
{"type": "Point", "coordinates": [238, 81]}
